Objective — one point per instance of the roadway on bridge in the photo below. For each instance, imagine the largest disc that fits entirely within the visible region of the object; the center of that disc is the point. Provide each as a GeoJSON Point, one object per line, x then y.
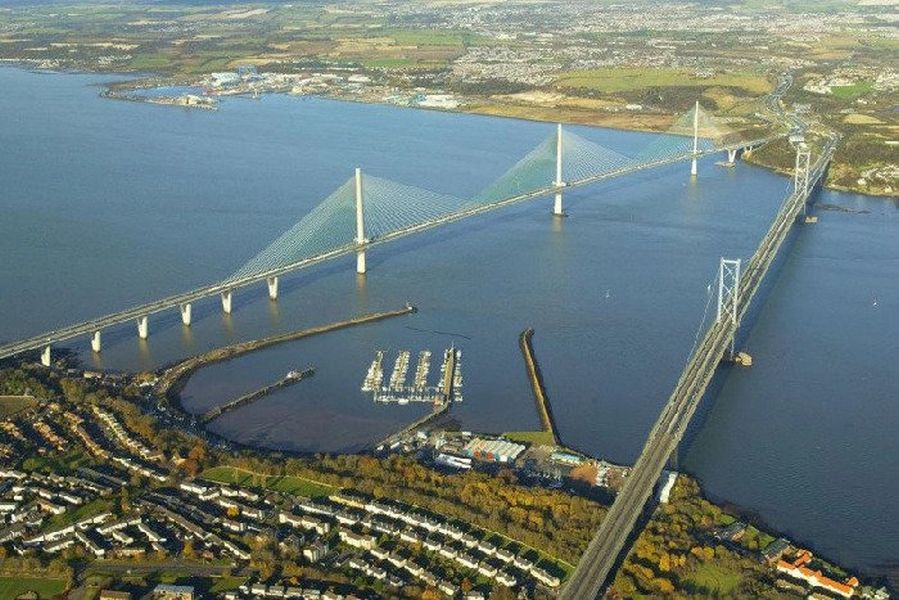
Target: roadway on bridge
{"type": "Point", "coordinates": [597, 564]}
{"type": "Point", "coordinates": [173, 302]}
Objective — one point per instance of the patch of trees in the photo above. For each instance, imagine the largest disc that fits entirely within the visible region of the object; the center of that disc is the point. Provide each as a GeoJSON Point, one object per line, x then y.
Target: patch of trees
{"type": "Point", "coordinates": [673, 556]}
{"type": "Point", "coordinates": [549, 520]}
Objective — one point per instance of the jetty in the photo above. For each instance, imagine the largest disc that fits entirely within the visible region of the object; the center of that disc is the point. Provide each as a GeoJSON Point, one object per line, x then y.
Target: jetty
{"type": "Point", "coordinates": [547, 423]}
{"type": "Point", "coordinates": [172, 379]}
{"type": "Point", "coordinates": [291, 378]}
{"type": "Point", "coordinates": [439, 409]}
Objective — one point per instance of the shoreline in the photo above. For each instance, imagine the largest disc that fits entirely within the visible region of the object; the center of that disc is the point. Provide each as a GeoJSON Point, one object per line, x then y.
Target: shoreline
{"type": "Point", "coordinates": [174, 377]}
{"type": "Point", "coordinates": [603, 122]}
{"type": "Point", "coordinates": [881, 575]}
{"type": "Point", "coordinates": [521, 118]}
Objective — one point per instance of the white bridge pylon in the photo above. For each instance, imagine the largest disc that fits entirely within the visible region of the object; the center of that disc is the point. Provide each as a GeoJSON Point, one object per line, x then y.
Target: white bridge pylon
{"type": "Point", "coordinates": [367, 210]}
{"type": "Point", "coordinates": [360, 225]}
{"type": "Point", "coordinates": [557, 205]}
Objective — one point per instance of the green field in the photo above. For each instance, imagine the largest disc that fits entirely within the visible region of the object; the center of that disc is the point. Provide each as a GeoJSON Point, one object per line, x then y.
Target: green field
{"type": "Point", "coordinates": [11, 405]}
{"type": "Point", "coordinates": [11, 587]}
{"type": "Point", "coordinates": [544, 438]}
{"type": "Point", "coordinates": [426, 37]}
{"type": "Point", "coordinates": [226, 584]}
{"type": "Point", "coordinates": [298, 486]}
{"type": "Point", "coordinates": [714, 578]}
{"type": "Point", "coordinates": [852, 91]}
{"type": "Point", "coordinates": [626, 79]}
{"type": "Point", "coordinates": [150, 62]}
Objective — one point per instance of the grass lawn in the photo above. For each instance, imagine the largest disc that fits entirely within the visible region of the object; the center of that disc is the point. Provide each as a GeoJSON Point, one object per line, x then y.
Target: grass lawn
{"type": "Point", "coordinates": [531, 437]}
{"type": "Point", "coordinates": [56, 464]}
{"type": "Point", "coordinates": [91, 509]}
{"type": "Point", "coordinates": [226, 584]}
{"type": "Point", "coordinates": [299, 486]}
{"type": "Point", "coordinates": [10, 587]}
{"type": "Point", "coordinates": [10, 405]}
{"type": "Point", "coordinates": [611, 80]}
{"type": "Point", "coordinates": [714, 578]}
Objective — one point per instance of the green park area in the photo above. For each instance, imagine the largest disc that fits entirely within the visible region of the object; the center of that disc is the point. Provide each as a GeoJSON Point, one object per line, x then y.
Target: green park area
{"type": "Point", "coordinates": [46, 588]}
{"type": "Point", "coordinates": [542, 438]}
{"type": "Point", "coordinates": [11, 405]}
{"type": "Point", "coordinates": [624, 79]}
{"type": "Point", "coordinates": [288, 484]}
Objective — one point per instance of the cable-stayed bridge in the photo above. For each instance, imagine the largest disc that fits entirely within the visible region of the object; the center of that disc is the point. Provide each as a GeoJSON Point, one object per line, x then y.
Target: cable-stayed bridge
{"type": "Point", "coordinates": [367, 211]}
{"type": "Point", "coordinates": [736, 289]}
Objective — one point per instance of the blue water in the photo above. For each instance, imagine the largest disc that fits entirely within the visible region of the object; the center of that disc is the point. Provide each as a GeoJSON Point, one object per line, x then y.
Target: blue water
{"type": "Point", "coordinates": [166, 91]}
{"type": "Point", "coordinates": [110, 203]}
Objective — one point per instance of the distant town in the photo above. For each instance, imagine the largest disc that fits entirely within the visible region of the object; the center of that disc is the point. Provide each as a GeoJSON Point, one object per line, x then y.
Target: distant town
{"type": "Point", "coordinates": [631, 66]}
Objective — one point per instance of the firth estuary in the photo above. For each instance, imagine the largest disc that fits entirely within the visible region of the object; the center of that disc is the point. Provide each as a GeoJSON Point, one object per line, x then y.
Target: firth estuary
{"type": "Point", "coordinates": [108, 204]}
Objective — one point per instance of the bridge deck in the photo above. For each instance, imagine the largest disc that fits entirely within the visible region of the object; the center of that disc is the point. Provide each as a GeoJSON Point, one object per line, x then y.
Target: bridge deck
{"type": "Point", "coordinates": [130, 314]}
{"type": "Point", "coordinates": [597, 563]}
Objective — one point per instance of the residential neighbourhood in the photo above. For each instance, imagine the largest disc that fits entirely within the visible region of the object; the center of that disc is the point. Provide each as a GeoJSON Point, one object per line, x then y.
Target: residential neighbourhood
{"type": "Point", "coordinates": [124, 500]}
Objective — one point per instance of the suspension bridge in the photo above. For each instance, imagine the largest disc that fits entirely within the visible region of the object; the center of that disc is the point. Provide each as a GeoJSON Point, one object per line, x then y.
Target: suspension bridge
{"type": "Point", "coordinates": [367, 211]}
{"type": "Point", "coordinates": [736, 289]}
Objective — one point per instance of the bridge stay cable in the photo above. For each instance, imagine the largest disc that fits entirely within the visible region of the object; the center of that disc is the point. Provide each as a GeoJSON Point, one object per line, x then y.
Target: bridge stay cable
{"type": "Point", "coordinates": [393, 210]}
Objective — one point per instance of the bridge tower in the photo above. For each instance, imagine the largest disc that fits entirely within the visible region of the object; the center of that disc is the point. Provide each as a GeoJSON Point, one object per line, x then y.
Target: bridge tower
{"type": "Point", "coordinates": [45, 356]}
{"type": "Point", "coordinates": [802, 172]}
{"type": "Point", "coordinates": [731, 156]}
{"type": "Point", "coordinates": [96, 345]}
{"type": "Point", "coordinates": [360, 226]}
{"type": "Point", "coordinates": [694, 168]}
{"type": "Point", "coordinates": [185, 313]}
{"type": "Point", "coordinates": [143, 327]}
{"type": "Point", "coordinates": [227, 297]}
{"type": "Point", "coordinates": [729, 293]}
{"type": "Point", "coordinates": [272, 283]}
{"type": "Point", "coordinates": [557, 206]}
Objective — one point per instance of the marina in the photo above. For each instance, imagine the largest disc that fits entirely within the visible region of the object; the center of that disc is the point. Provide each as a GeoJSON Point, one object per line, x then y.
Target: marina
{"type": "Point", "coordinates": [400, 368]}
{"type": "Point", "coordinates": [375, 374]}
{"type": "Point", "coordinates": [400, 390]}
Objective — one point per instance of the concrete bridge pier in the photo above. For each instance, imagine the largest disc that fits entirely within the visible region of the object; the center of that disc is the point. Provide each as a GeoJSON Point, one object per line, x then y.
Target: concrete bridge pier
{"type": "Point", "coordinates": [143, 327]}
{"type": "Point", "coordinates": [731, 156]}
{"type": "Point", "coordinates": [185, 314]}
{"type": "Point", "coordinates": [272, 283]}
{"type": "Point", "coordinates": [557, 205]}
{"type": "Point", "coordinates": [45, 356]}
{"type": "Point", "coordinates": [95, 342]}
{"type": "Point", "coordinates": [226, 302]}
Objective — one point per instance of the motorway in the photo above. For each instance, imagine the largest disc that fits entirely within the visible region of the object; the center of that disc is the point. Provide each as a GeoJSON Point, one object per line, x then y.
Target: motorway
{"type": "Point", "coordinates": [597, 563]}
{"type": "Point", "coordinates": [173, 302]}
